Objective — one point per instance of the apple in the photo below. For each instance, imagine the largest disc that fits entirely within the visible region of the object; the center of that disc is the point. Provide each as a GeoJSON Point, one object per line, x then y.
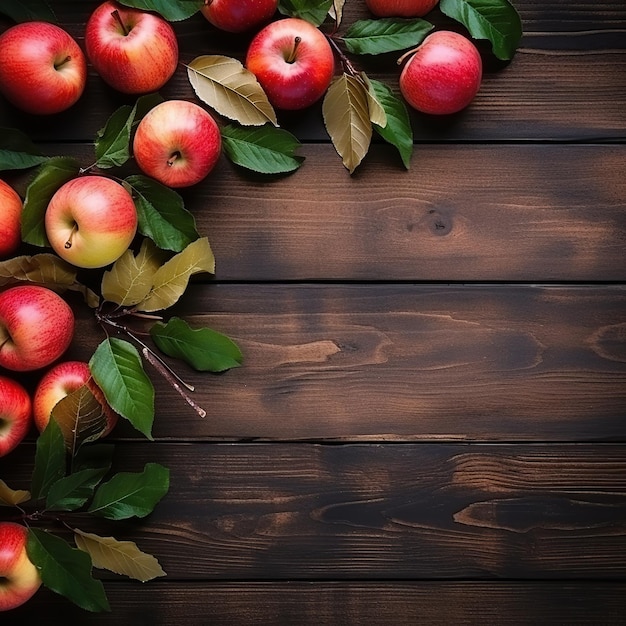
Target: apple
{"type": "Point", "coordinates": [177, 143]}
{"type": "Point", "coordinates": [10, 214]}
{"type": "Point", "coordinates": [36, 327]}
{"type": "Point", "coordinates": [61, 380]}
{"type": "Point", "coordinates": [133, 51]}
{"type": "Point", "coordinates": [293, 62]}
{"type": "Point", "coordinates": [19, 578]}
{"type": "Point", "coordinates": [91, 221]}
{"type": "Point", "coordinates": [400, 8]}
{"type": "Point", "coordinates": [15, 414]}
{"type": "Point", "coordinates": [237, 16]}
{"type": "Point", "coordinates": [42, 68]}
{"type": "Point", "coordinates": [443, 75]}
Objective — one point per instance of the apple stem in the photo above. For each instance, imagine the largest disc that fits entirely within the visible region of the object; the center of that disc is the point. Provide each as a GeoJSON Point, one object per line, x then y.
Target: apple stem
{"type": "Point", "coordinates": [173, 158]}
{"type": "Point", "coordinates": [68, 243]}
{"type": "Point", "coordinates": [292, 54]}
{"type": "Point", "coordinates": [116, 15]}
{"type": "Point", "coordinates": [405, 55]}
{"type": "Point", "coordinates": [67, 59]}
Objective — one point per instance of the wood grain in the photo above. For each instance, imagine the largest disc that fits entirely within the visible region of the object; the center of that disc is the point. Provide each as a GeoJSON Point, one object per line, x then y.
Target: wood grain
{"type": "Point", "coordinates": [532, 98]}
{"type": "Point", "coordinates": [378, 512]}
{"type": "Point", "coordinates": [533, 213]}
{"type": "Point", "coordinates": [402, 362]}
{"type": "Point", "coordinates": [343, 603]}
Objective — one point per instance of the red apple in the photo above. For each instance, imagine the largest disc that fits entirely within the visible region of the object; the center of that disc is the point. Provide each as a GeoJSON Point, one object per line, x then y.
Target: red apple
{"type": "Point", "coordinates": [134, 51]}
{"type": "Point", "coordinates": [237, 16]}
{"type": "Point", "coordinates": [36, 327]}
{"type": "Point", "coordinates": [42, 69]}
{"type": "Point", "coordinates": [443, 75]}
{"type": "Point", "coordinates": [61, 380]}
{"type": "Point", "coordinates": [178, 143]}
{"type": "Point", "coordinates": [91, 221]}
{"type": "Point", "coordinates": [10, 214]}
{"type": "Point", "coordinates": [15, 415]}
{"type": "Point", "coordinates": [19, 578]}
{"type": "Point", "coordinates": [400, 8]}
{"type": "Point", "coordinates": [293, 62]}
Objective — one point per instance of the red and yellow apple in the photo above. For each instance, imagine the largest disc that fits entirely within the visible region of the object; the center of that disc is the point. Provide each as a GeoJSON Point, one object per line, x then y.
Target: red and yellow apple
{"type": "Point", "coordinates": [10, 214]}
{"type": "Point", "coordinates": [36, 327]}
{"type": "Point", "coordinates": [400, 8]}
{"type": "Point", "coordinates": [91, 221]}
{"type": "Point", "coordinates": [15, 414]}
{"type": "Point", "coordinates": [19, 578]}
{"type": "Point", "coordinates": [133, 51]}
{"type": "Point", "coordinates": [237, 16]}
{"type": "Point", "coordinates": [293, 62]}
{"type": "Point", "coordinates": [42, 68]}
{"type": "Point", "coordinates": [58, 382]}
{"type": "Point", "coordinates": [177, 143]}
{"type": "Point", "coordinates": [443, 75]}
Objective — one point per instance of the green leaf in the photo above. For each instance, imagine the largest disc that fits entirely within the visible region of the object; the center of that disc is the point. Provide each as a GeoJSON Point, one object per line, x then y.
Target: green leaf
{"type": "Point", "coordinates": [73, 491]}
{"type": "Point", "coordinates": [50, 176]}
{"type": "Point", "coordinates": [66, 570]}
{"type": "Point", "coordinates": [113, 141]}
{"type": "Point", "coordinates": [398, 131]}
{"type": "Point", "coordinates": [204, 349]}
{"type": "Point", "coordinates": [495, 20]}
{"type": "Point", "coordinates": [17, 151]}
{"type": "Point", "coordinates": [95, 456]}
{"type": "Point", "coordinates": [117, 368]}
{"type": "Point", "coordinates": [314, 11]}
{"type": "Point", "coordinates": [171, 10]}
{"type": "Point", "coordinates": [130, 494]}
{"type": "Point", "coordinates": [50, 460]}
{"type": "Point", "coordinates": [162, 214]}
{"type": "Point", "coordinates": [264, 149]}
{"type": "Point", "coordinates": [171, 279]}
{"type": "Point", "coordinates": [385, 35]}
{"type": "Point", "coordinates": [28, 10]}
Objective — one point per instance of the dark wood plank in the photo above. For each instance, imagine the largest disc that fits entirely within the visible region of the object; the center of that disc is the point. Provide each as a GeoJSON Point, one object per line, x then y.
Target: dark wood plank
{"type": "Point", "coordinates": [472, 213]}
{"type": "Point", "coordinates": [533, 98]}
{"type": "Point", "coordinates": [402, 362]}
{"type": "Point", "coordinates": [403, 603]}
{"type": "Point", "coordinates": [372, 512]}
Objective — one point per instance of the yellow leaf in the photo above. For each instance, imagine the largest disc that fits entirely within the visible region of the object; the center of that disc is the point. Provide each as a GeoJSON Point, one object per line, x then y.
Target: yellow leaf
{"type": "Point", "coordinates": [347, 119]}
{"type": "Point", "coordinates": [376, 111]}
{"type": "Point", "coordinates": [129, 281]}
{"type": "Point", "coordinates": [336, 11]}
{"type": "Point", "coordinates": [120, 557]}
{"type": "Point", "coordinates": [12, 497]}
{"type": "Point", "coordinates": [171, 279]}
{"type": "Point", "coordinates": [229, 88]}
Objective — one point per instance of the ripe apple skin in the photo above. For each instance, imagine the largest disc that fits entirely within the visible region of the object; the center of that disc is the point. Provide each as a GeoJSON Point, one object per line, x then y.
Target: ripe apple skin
{"type": "Point", "coordinates": [238, 16]}
{"type": "Point", "coordinates": [10, 214]}
{"type": "Point", "coordinates": [36, 327]}
{"type": "Point", "coordinates": [96, 216]}
{"type": "Point", "coordinates": [133, 51]}
{"type": "Point", "coordinates": [15, 414]}
{"type": "Point", "coordinates": [293, 62]}
{"type": "Point", "coordinates": [42, 68]}
{"type": "Point", "coordinates": [177, 143]}
{"type": "Point", "coordinates": [58, 382]}
{"type": "Point", "coordinates": [443, 75]}
{"type": "Point", "coordinates": [400, 8]}
{"type": "Point", "coordinates": [19, 578]}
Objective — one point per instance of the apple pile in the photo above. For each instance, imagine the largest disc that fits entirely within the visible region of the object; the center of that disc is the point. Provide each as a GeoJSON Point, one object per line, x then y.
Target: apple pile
{"type": "Point", "coordinates": [136, 233]}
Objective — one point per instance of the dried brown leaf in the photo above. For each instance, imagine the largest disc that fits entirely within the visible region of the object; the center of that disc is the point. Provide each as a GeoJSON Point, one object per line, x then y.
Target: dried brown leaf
{"type": "Point", "coordinates": [347, 118]}
{"type": "Point", "coordinates": [12, 497]}
{"type": "Point", "coordinates": [228, 87]}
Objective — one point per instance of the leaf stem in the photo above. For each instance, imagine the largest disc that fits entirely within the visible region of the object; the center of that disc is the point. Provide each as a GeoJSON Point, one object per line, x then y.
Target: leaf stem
{"type": "Point", "coordinates": [345, 61]}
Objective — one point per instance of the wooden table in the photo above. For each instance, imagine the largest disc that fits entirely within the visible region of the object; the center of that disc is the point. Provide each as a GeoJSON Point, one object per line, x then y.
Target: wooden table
{"type": "Point", "coordinates": [430, 422]}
